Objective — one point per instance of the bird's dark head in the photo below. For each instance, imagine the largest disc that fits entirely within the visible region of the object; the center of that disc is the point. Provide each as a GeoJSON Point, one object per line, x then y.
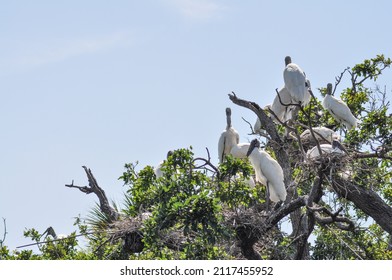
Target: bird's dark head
{"type": "Point", "coordinates": [287, 60]}
{"type": "Point", "coordinates": [329, 89]}
{"type": "Point", "coordinates": [228, 111]}
{"type": "Point", "coordinates": [169, 154]}
{"type": "Point", "coordinates": [253, 144]}
{"type": "Point", "coordinates": [336, 144]}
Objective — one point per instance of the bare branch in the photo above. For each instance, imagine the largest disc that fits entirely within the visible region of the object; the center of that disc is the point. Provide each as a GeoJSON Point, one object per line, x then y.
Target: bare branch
{"type": "Point", "coordinates": [99, 192]}
{"type": "Point", "coordinates": [5, 232]}
{"type": "Point", "coordinates": [339, 79]}
{"type": "Point", "coordinates": [341, 222]}
{"type": "Point", "coordinates": [207, 162]}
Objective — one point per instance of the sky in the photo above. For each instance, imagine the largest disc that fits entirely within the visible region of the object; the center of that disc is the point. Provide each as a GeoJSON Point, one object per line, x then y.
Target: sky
{"type": "Point", "coordinates": [104, 83]}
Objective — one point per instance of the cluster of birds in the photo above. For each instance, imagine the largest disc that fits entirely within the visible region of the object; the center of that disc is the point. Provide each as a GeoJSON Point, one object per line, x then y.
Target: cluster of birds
{"type": "Point", "coordinates": [295, 92]}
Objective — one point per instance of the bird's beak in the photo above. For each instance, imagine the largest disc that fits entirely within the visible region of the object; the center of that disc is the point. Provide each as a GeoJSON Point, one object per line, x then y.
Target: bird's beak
{"type": "Point", "coordinates": [250, 150]}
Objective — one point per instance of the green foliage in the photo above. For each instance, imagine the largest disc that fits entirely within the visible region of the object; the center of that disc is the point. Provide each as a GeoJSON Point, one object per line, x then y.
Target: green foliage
{"type": "Point", "coordinates": [182, 201]}
{"type": "Point", "coordinates": [334, 244]}
{"type": "Point", "coordinates": [371, 68]}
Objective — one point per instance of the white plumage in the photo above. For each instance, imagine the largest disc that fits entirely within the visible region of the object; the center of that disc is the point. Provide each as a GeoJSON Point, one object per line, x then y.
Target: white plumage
{"type": "Point", "coordinates": [281, 111]}
{"type": "Point", "coordinates": [296, 83]}
{"type": "Point", "coordinates": [334, 148]}
{"type": "Point", "coordinates": [339, 110]}
{"type": "Point", "coordinates": [228, 138]}
{"type": "Point", "coordinates": [158, 170]}
{"type": "Point", "coordinates": [268, 171]}
{"type": "Point", "coordinates": [239, 150]}
{"type": "Point", "coordinates": [319, 133]}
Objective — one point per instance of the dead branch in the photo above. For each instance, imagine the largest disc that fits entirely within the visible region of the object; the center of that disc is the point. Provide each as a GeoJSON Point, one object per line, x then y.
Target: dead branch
{"type": "Point", "coordinates": [339, 79]}
{"type": "Point", "coordinates": [207, 162]}
{"type": "Point", "coordinates": [99, 192]}
{"type": "Point", "coordinates": [341, 222]}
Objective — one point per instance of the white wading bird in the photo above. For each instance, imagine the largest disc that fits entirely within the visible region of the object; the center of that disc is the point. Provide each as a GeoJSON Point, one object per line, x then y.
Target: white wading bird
{"type": "Point", "coordinates": [322, 134]}
{"type": "Point", "coordinates": [228, 138]}
{"type": "Point", "coordinates": [239, 150]}
{"type": "Point", "coordinates": [158, 170]}
{"type": "Point", "coordinates": [338, 109]}
{"type": "Point", "coordinates": [334, 148]}
{"type": "Point", "coordinates": [296, 83]}
{"type": "Point", "coordinates": [268, 171]}
{"type": "Point", "coordinates": [279, 107]}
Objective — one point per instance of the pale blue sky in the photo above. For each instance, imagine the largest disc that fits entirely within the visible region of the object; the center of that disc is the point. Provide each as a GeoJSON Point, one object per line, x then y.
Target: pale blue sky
{"type": "Point", "coordinates": [104, 83]}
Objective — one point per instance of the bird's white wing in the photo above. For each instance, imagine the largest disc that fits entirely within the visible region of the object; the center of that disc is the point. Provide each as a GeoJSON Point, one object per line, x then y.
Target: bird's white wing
{"type": "Point", "coordinates": [280, 110]}
{"type": "Point", "coordinates": [294, 79]}
{"type": "Point", "coordinates": [274, 174]}
{"type": "Point", "coordinates": [221, 146]}
{"type": "Point", "coordinates": [240, 150]}
{"type": "Point", "coordinates": [340, 111]}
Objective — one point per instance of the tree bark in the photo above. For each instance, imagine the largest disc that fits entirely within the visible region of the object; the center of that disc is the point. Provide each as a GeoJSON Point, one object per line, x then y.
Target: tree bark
{"type": "Point", "coordinates": [100, 193]}
{"type": "Point", "coordinates": [366, 200]}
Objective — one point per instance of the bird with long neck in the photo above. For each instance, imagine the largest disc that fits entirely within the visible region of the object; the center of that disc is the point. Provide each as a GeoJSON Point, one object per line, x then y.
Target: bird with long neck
{"type": "Point", "coordinates": [338, 109]}
{"type": "Point", "coordinates": [268, 172]}
{"type": "Point", "coordinates": [229, 137]}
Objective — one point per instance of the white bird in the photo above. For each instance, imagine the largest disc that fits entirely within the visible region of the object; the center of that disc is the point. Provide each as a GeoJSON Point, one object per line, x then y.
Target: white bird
{"type": "Point", "coordinates": [228, 138]}
{"type": "Point", "coordinates": [296, 83]}
{"type": "Point", "coordinates": [334, 148]}
{"type": "Point", "coordinates": [158, 170]}
{"type": "Point", "coordinates": [338, 109]}
{"type": "Point", "coordinates": [239, 150]}
{"type": "Point", "coordinates": [268, 171]}
{"type": "Point", "coordinates": [279, 107]}
{"type": "Point", "coordinates": [321, 133]}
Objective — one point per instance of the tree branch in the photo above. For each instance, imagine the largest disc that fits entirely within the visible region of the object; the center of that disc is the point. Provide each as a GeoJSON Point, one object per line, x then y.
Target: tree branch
{"type": "Point", "coordinates": [5, 232]}
{"type": "Point", "coordinates": [366, 200]}
{"type": "Point", "coordinates": [99, 192]}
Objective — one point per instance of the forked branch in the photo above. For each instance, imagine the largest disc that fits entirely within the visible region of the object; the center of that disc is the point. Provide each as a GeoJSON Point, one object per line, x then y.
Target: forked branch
{"type": "Point", "coordinates": [99, 192]}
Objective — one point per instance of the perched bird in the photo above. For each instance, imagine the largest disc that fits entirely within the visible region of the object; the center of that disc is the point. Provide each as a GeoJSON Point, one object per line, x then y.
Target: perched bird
{"type": "Point", "coordinates": [268, 172]}
{"type": "Point", "coordinates": [158, 170]}
{"type": "Point", "coordinates": [296, 83]}
{"type": "Point", "coordinates": [322, 134]}
{"type": "Point", "coordinates": [338, 109]}
{"type": "Point", "coordinates": [280, 105]}
{"type": "Point", "coordinates": [334, 148]}
{"type": "Point", "coordinates": [228, 138]}
{"type": "Point", "coordinates": [239, 150]}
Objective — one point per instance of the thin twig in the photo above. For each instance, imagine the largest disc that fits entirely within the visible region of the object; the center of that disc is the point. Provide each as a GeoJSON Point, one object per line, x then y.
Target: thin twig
{"type": "Point", "coordinates": [54, 240]}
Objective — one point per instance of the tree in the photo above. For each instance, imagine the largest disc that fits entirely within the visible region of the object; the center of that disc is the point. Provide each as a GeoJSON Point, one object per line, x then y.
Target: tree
{"type": "Point", "coordinates": [197, 210]}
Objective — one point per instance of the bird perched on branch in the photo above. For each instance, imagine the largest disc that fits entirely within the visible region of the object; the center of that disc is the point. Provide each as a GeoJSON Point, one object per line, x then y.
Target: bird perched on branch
{"type": "Point", "coordinates": [268, 171]}
{"type": "Point", "coordinates": [158, 170]}
{"type": "Point", "coordinates": [334, 148]}
{"type": "Point", "coordinates": [322, 134]}
{"type": "Point", "coordinates": [239, 150]}
{"type": "Point", "coordinates": [228, 138]}
{"type": "Point", "coordinates": [280, 105]}
{"type": "Point", "coordinates": [338, 109]}
{"type": "Point", "coordinates": [296, 83]}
